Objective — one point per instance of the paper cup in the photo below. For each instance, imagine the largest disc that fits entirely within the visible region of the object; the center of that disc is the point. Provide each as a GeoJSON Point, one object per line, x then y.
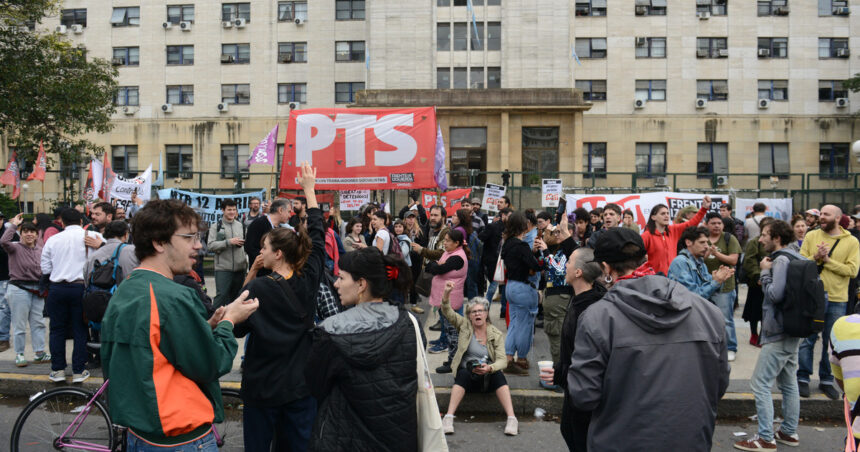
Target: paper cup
{"type": "Point", "coordinates": [545, 365]}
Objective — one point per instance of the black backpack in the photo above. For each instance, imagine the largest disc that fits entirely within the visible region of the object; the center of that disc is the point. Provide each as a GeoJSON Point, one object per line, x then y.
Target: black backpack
{"type": "Point", "coordinates": [804, 303]}
{"type": "Point", "coordinates": [103, 280]}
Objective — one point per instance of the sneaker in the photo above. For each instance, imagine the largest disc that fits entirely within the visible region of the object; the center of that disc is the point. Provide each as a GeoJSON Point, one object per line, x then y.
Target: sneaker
{"type": "Point", "coordinates": [514, 369]}
{"type": "Point", "coordinates": [512, 426]}
{"type": "Point", "coordinates": [20, 361]}
{"type": "Point", "coordinates": [438, 348]}
{"type": "Point", "coordinates": [445, 368]}
{"type": "Point", "coordinates": [79, 378]}
{"type": "Point", "coordinates": [448, 424]}
{"type": "Point", "coordinates": [416, 310]}
{"type": "Point", "coordinates": [57, 376]}
{"type": "Point", "coordinates": [523, 362]}
{"type": "Point", "coordinates": [788, 440]}
{"type": "Point", "coordinates": [803, 388]}
{"type": "Point", "coordinates": [42, 358]}
{"type": "Point", "coordinates": [731, 356]}
{"type": "Point", "coordinates": [830, 391]}
{"type": "Point", "coordinates": [4, 345]}
{"type": "Point", "coordinates": [755, 444]}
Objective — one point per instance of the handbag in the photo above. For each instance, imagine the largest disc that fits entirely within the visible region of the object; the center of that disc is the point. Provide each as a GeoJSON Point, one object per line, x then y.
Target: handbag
{"type": "Point", "coordinates": [499, 274]}
{"type": "Point", "coordinates": [430, 434]}
{"type": "Point", "coordinates": [424, 283]}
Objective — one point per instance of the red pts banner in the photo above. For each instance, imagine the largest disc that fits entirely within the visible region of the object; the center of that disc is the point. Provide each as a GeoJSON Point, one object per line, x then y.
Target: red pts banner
{"type": "Point", "coordinates": [356, 149]}
{"type": "Point", "coordinates": [451, 200]}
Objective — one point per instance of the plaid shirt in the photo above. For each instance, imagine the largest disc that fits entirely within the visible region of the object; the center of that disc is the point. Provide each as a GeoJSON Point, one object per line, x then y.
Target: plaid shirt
{"type": "Point", "coordinates": [327, 303]}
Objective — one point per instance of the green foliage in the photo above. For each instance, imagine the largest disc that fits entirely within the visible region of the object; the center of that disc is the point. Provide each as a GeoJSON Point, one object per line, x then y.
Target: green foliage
{"type": "Point", "coordinates": [852, 83]}
{"type": "Point", "coordinates": [8, 206]}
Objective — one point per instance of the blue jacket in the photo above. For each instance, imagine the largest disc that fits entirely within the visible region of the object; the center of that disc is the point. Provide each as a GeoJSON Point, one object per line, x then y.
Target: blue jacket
{"type": "Point", "coordinates": [693, 274]}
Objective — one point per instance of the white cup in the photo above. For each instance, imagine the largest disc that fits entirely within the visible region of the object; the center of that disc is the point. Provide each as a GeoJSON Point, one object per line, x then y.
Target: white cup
{"type": "Point", "coordinates": [544, 365]}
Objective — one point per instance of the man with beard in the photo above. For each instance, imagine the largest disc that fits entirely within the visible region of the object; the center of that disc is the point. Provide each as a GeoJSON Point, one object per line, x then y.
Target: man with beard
{"type": "Point", "coordinates": [837, 253]}
{"type": "Point", "coordinates": [101, 214]}
{"type": "Point", "coordinates": [300, 204]}
{"type": "Point", "coordinates": [429, 245]}
{"type": "Point", "coordinates": [254, 211]}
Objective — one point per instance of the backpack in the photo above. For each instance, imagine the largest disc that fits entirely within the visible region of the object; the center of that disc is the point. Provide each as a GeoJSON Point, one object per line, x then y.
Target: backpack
{"type": "Point", "coordinates": [104, 278]}
{"type": "Point", "coordinates": [394, 248]}
{"type": "Point", "coordinates": [804, 303]}
{"type": "Point", "coordinates": [476, 247]}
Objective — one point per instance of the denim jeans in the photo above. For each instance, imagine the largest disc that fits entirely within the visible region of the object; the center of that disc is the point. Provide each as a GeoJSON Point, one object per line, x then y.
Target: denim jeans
{"type": "Point", "coordinates": [776, 361]}
{"type": "Point", "coordinates": [289, 426]}
{"type": "Point", "coordinates": [726, 302]}
{"type": "Point", "coordinates": [491, 291]}
{"type": "Point", "coordinates": [66, 311]}
{"type": "Point", "coordinates": [26, 308]}
{"type": "Point", "coordinates": [451, 334]}
{"type": "Point", "coordinates": [805, 358]}
{"type": "Point", "coordinates": [523, 307]}
{"type": "Point", "coordinates": [205, 444]}
{"type": "Point", "coordinates": [5, 313]}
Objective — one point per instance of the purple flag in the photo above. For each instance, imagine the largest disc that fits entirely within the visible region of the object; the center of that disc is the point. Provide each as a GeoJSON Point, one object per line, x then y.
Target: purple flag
{"type": "Point", "coordinates": [439, 162]}
{"type": "Point", "coordinates": [264, 153]}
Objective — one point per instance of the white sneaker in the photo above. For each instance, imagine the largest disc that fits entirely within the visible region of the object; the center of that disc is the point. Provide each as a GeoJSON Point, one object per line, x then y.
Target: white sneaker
{"type": "Point", "coordinates": [731, 356]}
{"type": "Point", "coordinates": [448, 424]}
{"type": "Point", "coordinates": [79, 378]}
{"type": "Point", "coordinates": [57, 376]}
{"type": "Point", "coordinates": [512, 426]}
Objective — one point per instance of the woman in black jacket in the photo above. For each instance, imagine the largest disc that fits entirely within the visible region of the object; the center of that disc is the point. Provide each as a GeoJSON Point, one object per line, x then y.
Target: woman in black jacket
{"type": "Point", "coordinates": [277, 402]}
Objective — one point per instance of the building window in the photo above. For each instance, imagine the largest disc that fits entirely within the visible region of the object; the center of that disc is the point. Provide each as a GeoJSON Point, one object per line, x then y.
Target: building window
{"type": "Point", "coordinates": [712, 89]}
{"type": "Point", "coordinates": [349, 51]}
{"type": "Point", "coordinates": [124, 160]}
{"type": "Point", "coordinates": [476, 78]}
{"type": "Point", "coordinates": [127, 96]}
{"type": "Point", "coordinates": [650, 7]}
{"type": "Point", "coordinates": [235, 53]}
{"type": "Point", "coordinates": [443, 78]}
{"type": "Point", "coordinates": [830, 90]}
{"type": "Point", "coordinates": [180, 160]}
{"type": "Point", "coordinates": [292, 52]}
{"type": "Point", "coordinates": [443, 37]}
{"type": "Point", "coordinates": [236, 94]}
{"type": "Point", "coordinates": [833, 160]}
{"type": "Point", "coordinates": [126, 56]}
{"type": "Point", "coordinates": [180, 13]}
{"type": "Point", "coordinates": [594, 160]}
{"type": "Point", "coordinates": [590, 7]}
{"type": "Point", "coordinates": [233, 11]}
{"type": "Point", "coordinates": [461, 36]}
{"type": "Point", "coordinates": [180, 94]}
{"type": "Point", "coordinates": [833, 7]}
{"type": "Point", "coordinates": [292, 92]}
{"type": "Point", "coordinates": [650, 159]}
{"type": "Point", "coordinates": [494, 36]}
{"type": "Point", "coordinates": [713, 158]}
{"type": "Point", "coordinates": [69, 17]}
{"type": "Point", "coordinates": [289, 11]}
{"type": "Point", "coordinates": [180, 55]}
{"type": "Point", "coordinates": [479, 42]}
{"type": "Point", "coordinates": [540, 154]}
{"type": "Point", "coordinates": [772, 7]}
{"type": "Point", "coordinates": [773, 47]}
{"type": "Point", "coordinates": [714, 7]}
{"type": "Point", "coordinates": [234, 158]}
{"type": "Point", "coordinates": [592, 90]}
{"type": "Point", "coordinates": [494, 77]}
{"type": "Point", "coordinates": [125, 17]}
{"type": "Point", "coordinates": [773, 159]}
{"type": "Point", "coordinates": [468, 152]}
{"type": "Point", "coordinates": [460, 78]}
{"type": "Point", "coordinates": [650, 47]}
{"type": "Point", "coordinates": [711, 47]}
{"type": "Point", "coordinates": [651, 89]}
{"type": "Point", "coordinates": [344, 93]}
{"type": "Point", "coordinates": [349, 10]}
{"type": "Point", "coordinates": [773, 89]}
{"type": "Point", "coordinates": [591, 47]}
{"type": "Point", "coordinates": [833, 48]}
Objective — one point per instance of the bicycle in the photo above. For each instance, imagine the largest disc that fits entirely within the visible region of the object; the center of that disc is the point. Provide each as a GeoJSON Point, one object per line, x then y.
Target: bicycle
{"type": "Point", "coordinates": [71, 418]}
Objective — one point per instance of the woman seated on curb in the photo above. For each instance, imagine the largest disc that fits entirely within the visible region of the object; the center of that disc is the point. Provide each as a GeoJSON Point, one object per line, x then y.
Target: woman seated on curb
{"type": "Point", "coordinates": [479, 360]}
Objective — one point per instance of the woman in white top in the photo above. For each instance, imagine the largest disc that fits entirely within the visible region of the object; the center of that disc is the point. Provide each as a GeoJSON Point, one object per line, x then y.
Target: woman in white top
{"type": "Point", "coordinates": [382, 239]}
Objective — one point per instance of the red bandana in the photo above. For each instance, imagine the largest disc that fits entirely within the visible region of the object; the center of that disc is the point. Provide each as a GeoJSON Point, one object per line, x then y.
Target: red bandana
{"type": "Point", "coordinates": [643, 270]}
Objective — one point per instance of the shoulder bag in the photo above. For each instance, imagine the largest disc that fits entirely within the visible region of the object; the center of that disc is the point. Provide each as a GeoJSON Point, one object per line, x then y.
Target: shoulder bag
{"type": "Point", "coordinates": [430, 434]}
{"type": "Point", "coordinates": [499, 274]}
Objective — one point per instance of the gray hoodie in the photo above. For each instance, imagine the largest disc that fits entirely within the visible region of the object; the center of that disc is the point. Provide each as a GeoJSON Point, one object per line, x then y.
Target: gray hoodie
{"type": "Point", "coordinates": [773, 285]}
{"type": "Point", "coordinates": [650, 362]}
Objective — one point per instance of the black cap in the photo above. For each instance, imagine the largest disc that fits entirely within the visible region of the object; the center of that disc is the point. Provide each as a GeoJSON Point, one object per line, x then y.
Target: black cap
{"type": "Point", "coordinates": [611, 243]}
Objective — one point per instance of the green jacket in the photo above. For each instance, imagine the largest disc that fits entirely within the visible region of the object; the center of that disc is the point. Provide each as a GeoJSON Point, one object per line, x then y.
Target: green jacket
{"type": "Point", "coordinates": [163, 359]}
{"type": "Point", "coordinates": [753, 254]}
{"type": "Point", "coordinates": [495, 339]}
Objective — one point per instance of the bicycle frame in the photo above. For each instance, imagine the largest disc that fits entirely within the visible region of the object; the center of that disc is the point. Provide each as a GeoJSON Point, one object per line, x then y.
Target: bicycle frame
{"type": "Point", "coordinates": [72, 429]}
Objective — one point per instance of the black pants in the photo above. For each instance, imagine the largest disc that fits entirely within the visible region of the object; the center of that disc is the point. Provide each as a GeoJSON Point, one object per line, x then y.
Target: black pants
{"type": "Point", "coordinates": [574, 426]}
{"type": "Point", "coordinates": [65, 308]}
{"type": "Point", "coordinates": [289, 426]}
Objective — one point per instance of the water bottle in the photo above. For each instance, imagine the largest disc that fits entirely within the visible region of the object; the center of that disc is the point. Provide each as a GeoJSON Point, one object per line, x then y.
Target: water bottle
{"type": "Point", "coordinates": [539, 413]}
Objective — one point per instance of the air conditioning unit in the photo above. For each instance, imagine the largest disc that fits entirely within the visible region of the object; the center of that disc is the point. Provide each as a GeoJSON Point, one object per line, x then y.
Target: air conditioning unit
{"type": "Point", "coordinates": [702, 53]}
{"type": "Point", "coordinates": [763, 104]}
{"type": "Point", "coordinates": [167, 108]}
{"type": "Point", "coordinates": [223, 107]}
{"type": "Point", "coordinates": [723, 180]}
{"type": "Point", "coordinates": [764, 53]}
{"type": "Point", "coordinates": [185, 25]}
{"type": "Point", "coordinates": [295, 105]}
{"type": "Point", "coordinates": [300, 21]}
{"type": "Point", "coordinates": [841, 11]}
{"type": "Point", "coordinates": [61, 29]}
{"type": "Point", "coordinates": [701, 103]}
{"type": "Point", "coordinates": [285, 58]}
{"type": "Point", "coordinates": [118, 61]}
{"type": "Point", "coordinates": [167, 25]}
{"type": "Point", "coordinates": [661, 181]}
{"type": "Point", "coordinates": [641, 10]}
{"type": "Point", "coordinates": [781, 11]}
{"type": "Point", "coordinates": [841, 102]}
{"type": "Point", "coordinates": [129, 110]}
{"type": "Point", "coordinates": [703, 15]}
{"type": "Point", "coordinates": [843, 53]}
{"type": "Point", "coordinates": [723, 53]}
{"type": "Point", "coordinates": [641, 42]}
{"type": "Point", "coordinates": [227, 24]}
{"type": "Point", "coordinates": [226, 58]}
{"type": "Point", "coordinates": [77, 29]}
{"type": "Point", "coordinates": [239, 23]}
{"type": "Point", "coordinates": [639, 103]}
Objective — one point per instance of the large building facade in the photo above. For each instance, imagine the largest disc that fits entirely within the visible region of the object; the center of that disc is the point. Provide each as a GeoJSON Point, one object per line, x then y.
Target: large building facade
{"type": "Point", "coordinates": [718, 94]}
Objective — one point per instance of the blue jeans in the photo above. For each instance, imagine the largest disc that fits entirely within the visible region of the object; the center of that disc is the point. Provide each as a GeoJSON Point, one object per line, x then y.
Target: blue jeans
{"type": "Point", "coordinates": [5, 313]}
{"type": "Point", "coordinates": [491, 291]}
{"type": "Point", "coordinates": [776, 361]}
{"type": "Point", "coordinates": [726, 302]}
{"type": "Point", "coordinates": [66, 311]}
{"type": "Point", "coordinates": [289, 426]}
{"type": "Point", "coordinates": [805, 358]}
{"type": "Point", "coordinates": [205, 444]}
{"type": "Point", "coordinates": [26, 308]}
{"type": "Point", "coordinates": [451, 334]}
{"type": "Point", "coordinates": [523, 307]}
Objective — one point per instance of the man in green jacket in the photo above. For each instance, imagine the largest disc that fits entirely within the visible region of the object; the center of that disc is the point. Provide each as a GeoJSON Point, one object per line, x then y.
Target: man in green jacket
{"type": "Point", "coordinates": [161, 354]}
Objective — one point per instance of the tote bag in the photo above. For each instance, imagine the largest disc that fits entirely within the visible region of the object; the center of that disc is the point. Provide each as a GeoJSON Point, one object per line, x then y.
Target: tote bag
{"type": "Point", "coordinates": [431, 438]}
{"type": "Point", "coordinates": [499, 274]}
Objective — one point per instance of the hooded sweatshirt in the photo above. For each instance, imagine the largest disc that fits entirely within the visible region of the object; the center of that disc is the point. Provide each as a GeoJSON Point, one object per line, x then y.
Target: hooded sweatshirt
{"type": "Point", "coordinates": [837, 273]}
{"type": "Point", "coordinates": [650, 361]}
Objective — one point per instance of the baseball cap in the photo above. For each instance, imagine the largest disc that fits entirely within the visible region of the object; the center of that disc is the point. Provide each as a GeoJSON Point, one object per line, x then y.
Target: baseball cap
{"type": "Point", "coordinates": [815, 212]}
{"type": "Point", "coordinates": [610, 247]}
{"type": "Point", "coordinates": [856, 216]}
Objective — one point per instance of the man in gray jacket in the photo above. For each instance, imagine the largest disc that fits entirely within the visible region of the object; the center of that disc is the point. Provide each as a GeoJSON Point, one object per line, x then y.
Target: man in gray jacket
{"type": "Point", "coordinates": [226, 240]}
{"type": "Point", "coordinates": [778, 357]}
{"type": "Point", "coordinates": [650, 358]}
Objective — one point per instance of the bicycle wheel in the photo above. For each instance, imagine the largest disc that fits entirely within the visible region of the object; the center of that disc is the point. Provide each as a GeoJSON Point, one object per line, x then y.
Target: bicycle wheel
{"type": "Point", "coordinates": [48, 417]}
{"type": "Point", "coordinates": [230, 431]}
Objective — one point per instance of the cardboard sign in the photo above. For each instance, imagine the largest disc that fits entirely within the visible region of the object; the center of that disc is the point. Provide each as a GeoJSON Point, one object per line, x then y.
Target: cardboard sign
{"type": "Point", "coordinates": [450, 200]}
{"type": "Point", "coordinates": [492, 194]}
{"type": "Point", "coordinates": [550, 192]}
{"type": "Point", "coordinates": [642, 203]}
{"type": "Point", "coordinates": [353, 199]}
{"type": "Point", "coordinates": [356, 148]}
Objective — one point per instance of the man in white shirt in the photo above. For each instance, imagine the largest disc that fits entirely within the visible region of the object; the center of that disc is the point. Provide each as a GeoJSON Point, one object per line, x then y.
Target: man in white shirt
{"type": "Point", "coordinates": [63, 257]}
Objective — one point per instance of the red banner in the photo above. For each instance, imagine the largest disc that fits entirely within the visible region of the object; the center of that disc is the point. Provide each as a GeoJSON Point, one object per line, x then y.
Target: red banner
{"type": "Point", "coordinates": [451, 200]}
{"type": "Point", "coordinates": [356, 149]}
{"type": "Point", "coordinates": [41, 165]}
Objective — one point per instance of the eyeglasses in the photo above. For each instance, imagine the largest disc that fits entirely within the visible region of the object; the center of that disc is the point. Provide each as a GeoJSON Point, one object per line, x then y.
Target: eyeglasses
{"type": "Point", "coordinates": [477, 311]}
{"type": "Point", "coordinates": [194, 236]}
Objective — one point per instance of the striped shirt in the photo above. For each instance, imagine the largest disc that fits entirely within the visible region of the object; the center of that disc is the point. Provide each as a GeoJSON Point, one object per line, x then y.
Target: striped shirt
{"type": "Point", "coordinates": [845, 360]}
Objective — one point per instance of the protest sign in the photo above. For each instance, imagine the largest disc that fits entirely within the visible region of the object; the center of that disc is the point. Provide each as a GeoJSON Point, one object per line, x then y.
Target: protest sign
{"type": "Point", "coordinates": [779, 208]}
{"type": "Point", "coordinates": [450, 200]}
{"type": "Point", "coordinates": [550, 192]}
{"type": "Point", "coordinates": [122, 188]}
{"type": "Point", "coordinates": [353, 199]}
{"type": "Point", "coordinates": [209, 206]}
{"type": "Point", "coordinates": [642, 203]}
{"type": "Point", "coordinates": [492, 194]}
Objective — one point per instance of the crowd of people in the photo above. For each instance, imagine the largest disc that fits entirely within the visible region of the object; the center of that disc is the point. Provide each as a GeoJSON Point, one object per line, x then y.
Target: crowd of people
{"type": "Point", "coordinates": [640, 324]}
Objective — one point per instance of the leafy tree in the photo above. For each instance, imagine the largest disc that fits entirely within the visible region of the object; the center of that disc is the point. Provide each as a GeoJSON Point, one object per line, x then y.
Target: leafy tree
{"type": "Point", "coordinates": [852, 83]}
